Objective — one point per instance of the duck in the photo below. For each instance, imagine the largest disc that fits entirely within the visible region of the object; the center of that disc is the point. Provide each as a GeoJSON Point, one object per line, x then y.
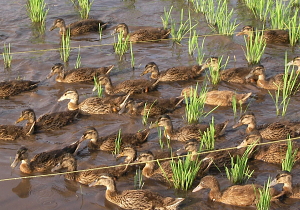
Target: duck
{"type": "Point", "coordinates": [295, 62]}
{"type": "Point", "coordinates": [88, 176]}
{"type": "Point", "coordinates": [271, 131]}
{"type": "Point", "coordinates": [93, 105]}
{"type": "Point", "coordinates": [44, 161]}
{"type": "Point", "coordinates": [231, 75]}
{"type": "Point", "coordinates": [237, 195]}
{"type": "Point", "coordinates": [152, 170]}
{"type": "Point", "coordinates": [152, 34]}
{"type": "Point", "coordinates": [47, 122]}
{"type": "Point", "coordinates": [135, 199]}
{"type": "Point", "coordinates": [15, 87]}
{"type": "Point", "coordinates": [127, 86]}
{"type": "Point", "coordinates": [78, 27]}
{"type": "Point", "coordinates": [84, 74]}
{"type": "Point", "coordinates": [187, 132]}
{"type": "Point", "coordinates": [270, 36]}
{"type": "Point", "coordinates": [179, 73]}
{"type": "Point", "coordinates": [14, 132]}
{"type": "Point", "coordinates": [107, 143]}
{"type": "Point", "coordinates": [219, 97]}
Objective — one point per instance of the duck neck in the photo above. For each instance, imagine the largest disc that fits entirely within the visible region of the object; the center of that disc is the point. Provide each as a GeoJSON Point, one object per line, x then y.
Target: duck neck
{"type": "Point", "coordinates": [215, 193]}
{"type": "Point", "coordinates": [72, 176]}
{"type": "Point", "coordinates": [26, 167]}
{"type": "Point", "coordinates": [288, 188]}
{"type": "Point", "coordinates": [111, 192]}
{"type": "Point", "coordinates": [63, 29]}
{"type": "Point", "coordinates": [73, 104]}
{"type": "Point", "coordinates": [168, 132]}
{"type": "Point", "coordinates": [155, 73]}
{"type": "Point", "coordinates": [125, 32]}
{"type": "Point", "coordinates": [261, 81]}
{"type": "Point", "coordinates": [109, 88]}
{"type": "Point", "coordinates": [251, 127]}
{"type": "Point", "coordinates": [148, 169]}
{"type": "Point", "coordinates": [61, 76]}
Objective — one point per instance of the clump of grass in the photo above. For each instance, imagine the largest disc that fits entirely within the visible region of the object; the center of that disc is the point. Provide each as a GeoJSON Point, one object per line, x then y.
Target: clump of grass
{"type": "Point", "coordinates": [193, 42]}
{"type": "Point", "coordinates": [214, 73]}
{"type": "Point", "coordinates": [37, 11]}
{"type": "Point", "coordinates": [184, 172]}
{"type": "Point", "coordinates": [85, 8]}
{"type": "Point", "coordinates": [239, 172]}
{"type": "Point", "coordinates": [167, 17]}
{"type": "Point", "coordinates": [118, 142]}
{"type": "Point", "coordinates": [294, 28]}
{"type": "Point", "coordinates": [208, 137]}
{"type": "Point", "coordinates": [99, 87]}
{"type": "Point", "coordinates": [138, 179]}
{"type": "Point", "coordinates": [78, 59]}
{"type": "Point", "coordinates": [7, 57]}
{"type": "Point", "coordinates": [279, 14]}
{"type": "Point", "coordinates": [264, 200]}
{"type": "Point", "coordinates": [200, 53]}
{"type": "Point", "coordinates": [121, 46]}
{"type": "Point", "coordinates": [65, 47]}
{"type": "Point", "coordinates": [260, 9]}
{"type": "Point", "coordinates": [290, 157]}
{"type": "Point", "coordinates": [199, 6]}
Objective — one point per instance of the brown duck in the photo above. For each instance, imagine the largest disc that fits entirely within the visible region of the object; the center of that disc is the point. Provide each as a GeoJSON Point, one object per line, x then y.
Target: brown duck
{"type": "Point", "coordinates": [295, 62]}
{"type": "Point", "coordinates": [15, 87]}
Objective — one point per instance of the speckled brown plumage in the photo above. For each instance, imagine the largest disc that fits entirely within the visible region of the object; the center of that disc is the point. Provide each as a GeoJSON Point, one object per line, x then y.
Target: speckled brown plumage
{"type": "Point", "coordinates": [84, 74]}
{"type": "Point", "coordinates": [79, 27]}
{"type": "Point", "coordinates": [295, 62]}
{"type": "Point", "coordinates": [14, 87]}
{"type": "Point", "coordinates": [151, 34]}
{"type": "Point", "coordinates": [179, 73]}
{"type": "Point", "coordinates": [107, 143]}
{"type": "Point", "coordinates": [13, 132]}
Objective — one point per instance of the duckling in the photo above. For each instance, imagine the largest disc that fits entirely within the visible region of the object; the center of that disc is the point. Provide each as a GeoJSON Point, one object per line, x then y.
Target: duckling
{"type": "Point", "coordinates": [79, 27]}
{"type": "Point", "coordinates": [295, 62]}
{"type": "Point", "coordinates": [272, 131]}
{"type": "Point", "coordinates": [135, 199]}
{"type": "Point", "coordinates": [48, 122]}
{"type": "Point", "coordinates": [107, 143]}
{"type": "Point", "coordinates": [179, 73]}
{"type": "Point", "coordinates": [93, 105]}
{"type": "Point", "coordinates": [219, 97]}
{"type": "Point", "coordinates": [89, 176]}
{"type": "Point", "coordinates": [128, 86]}
{"type": "Point", "coordinates": [15, 87]}
{"type": "Point", "coordinates": [237, 195]}
{"type": "Point", "coordinates": [151, 170]}
{"type": "Point", "coordinates": [84, 74]}
{"type": "Point", "coordinates": [270, 36]}
{"type": "Point", "coordinates": [43, 161]}
{"type": "Point", "coordinates": [188, 132]}
{"type": "Point", "coordinates": [232, 75]}
{"type": "Point", "coordinates": [153, 34]}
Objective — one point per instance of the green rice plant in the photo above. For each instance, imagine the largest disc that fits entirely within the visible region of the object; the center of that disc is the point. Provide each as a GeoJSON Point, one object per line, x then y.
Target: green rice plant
{"type": "Point", "coordinates": [255, 47]}
{"type": "Point", "coordinates": [234, 106]}
{"type": "Point", "coordinates": [65, 47]}
{"type": "Point", "coordinates": [99, 87]}
{"type": "Point", "coordinates": [199, 5]}
{"type": "Point", "coordinates": [121, 46]}
{"type": "Point", "coordinates": [85, 8]}
{"type": "Point", "coordinates": [290, 157]}
{"type": "Point", "coordinates": [78, 59]}
{"type": "Point", "coordinates": [239, 172]}
{"type": "Point", "coordinates": [200, 53]}
{"type": "Point", "coordinates": [264, 200]}
{"type": "Point", "coordinates": [294, 28]}
{"type": "Point", "coordinates": [184, 172]}
{"type": "Point", "coordinates": [214, 74]}
{"type": "Point", "coordinates": [132, 56]}
{"type": "Point", "coordinates": [166, 18]}
{"type": "Point", "coordinates": [159, 133]}
{"type": "Point", "coordinates": [7, 57]}
{"type": "Point", "coordinates": [138, 179]}
{"type": "Point", "coordinates": [193, 42]}
{"type": "Point", "coordinates": [37, 11]}
{"type": "Point", "coordinates": [100, 32]}
{"type": "Point", "coordinates": [260, 9]}
{"type": "Point", "coordinates": [279, 15]}
{"type": "Point", "coordinates": [118, 142]}
{"type": "Point", "coordinates": [208, 137]}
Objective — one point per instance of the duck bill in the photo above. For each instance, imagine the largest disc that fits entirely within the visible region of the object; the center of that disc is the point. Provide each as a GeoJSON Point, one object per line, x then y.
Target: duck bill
{"type": "Point", "coordinates": [249, 75]}
{"type": "Point", "coordinates": [199, 187]}
{"type": "Point", "coordinates": [153, 125]}
{"type": "Point", "coordinates": [95, 88]}
{"type": "Point", "coordinates": [94, 183]}
{"type": "Point", "coordinates": [52, 28]}
{"type": "Point", "coordinates": [56, 168]}
{"type": "Point", "coordinates": [181, 151]}
{"type": "Point", "coordinates": [50, 75]}
{"type": "Point", "coordinates": [119, 156]}
{"type": "Point", "coordinates": [20, 119]}
{"type": "Point", "coordinates": [240, 33]}
{"type": "Point", "coordinates": [241, 145]}
{"type": "Point", "coordinates": [273, 182]}
{"type": "Point", "coordinates": [61, 98]}
{"type": "Point", "coordinates": [15, 162]}
{"type": "Point", "coordinates": [290, 63]}
{"type": "Point", "coordinates": [237, 125]}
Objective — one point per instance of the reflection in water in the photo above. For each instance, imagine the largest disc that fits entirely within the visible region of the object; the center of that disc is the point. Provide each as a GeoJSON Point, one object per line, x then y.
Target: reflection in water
{"type": "Point", "coordinates": [23, 189]}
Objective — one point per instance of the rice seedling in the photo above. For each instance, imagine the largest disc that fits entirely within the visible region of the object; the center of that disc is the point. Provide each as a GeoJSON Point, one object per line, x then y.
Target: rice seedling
{"type": "Point", "coordinates": [184, 172]}
{"type": "Point", "coordinates": [279, 14]}
{"type": "Point", "coordinates": [239, 172]}
{"type": "Point", "coordinates": [214, 74]}
{"type": "Point", "coordinates": [200, 53]}
{"type": "Point", "coordinates": [65, 47]}
{"type": "Point", "coordinates": [138, 179]}
{"type": "Point", "coordinates": [100, 32]}
{"type": "Point", "coordinates": [7, 57]}
{"type": "Point", "coordinates": [99, 87]}
{"type": "Point", "coordinates": [132, 56]}
{"type": "Point", "coordinates": [255, 47]}
{"type": "Point", "coordinates": [193, 42]}
{"type": "Point", "coordinates": [159, 133]}
{"type": "Point", "coordinates": [290, 157]}
{"type": "Point", "coordinates": [84, 8]}
{"type": "Point", "coordinates": [234, 106]}
{"type": "Point", "coordinates": [121, 46]}
{"type": "Point", "coordinates": [166, 18]}
{"type": "Point", "coordinates": [199, 5]}
{"type": "Point", "coordinates": [264, 200]}
{"type": "Point", "coordinates": [118, 142]}
{"type": "Point", "coordinates": [294, 28]}
{"type": "Point", "coordinates": [208, 137]}
{"type": "Point", "coordinates": [37, 11]}
{"type": "Point", "coordinates": [78, 59]}
{"type": "Point", "coordinates": [260, 9]}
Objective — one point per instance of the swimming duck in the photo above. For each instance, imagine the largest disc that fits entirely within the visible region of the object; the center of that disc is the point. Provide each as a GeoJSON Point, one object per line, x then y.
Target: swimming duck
{"type": "Point", "coordinates": [107, 143]}
{"type": "Point", "coordinates": [48, 122]}
{"type": "Point", "coordinates": [179, 73]}
{"type": "Point", "coordinates": [14, 87]}
{"type": "Point", "coordinates": [271, 36]}
{"type": "Point", "coordinates": [153, 34]}
{"type": "Point", "coordinates": [89, 176]}
{"type": "Point", "coordinates": [43, 161]}
{"type": "Point", "coordinates": [232, 75]}
{"type": "Point", "coordinates": [271, 131]}
{"type": "Point", "coordinates": [128, 86]}
{"type": "Point", "coordinates": [187, 132]}
{"type": "Point", "coordinates": [93, 105]}
{"type": "Point", "coordinates": [13, 132]}
{"type": "Point", "coordinates": [84, 74]}
{"type": "Point", "coordinates": [219, 97]}
{"type": "Point", "coordinates": [295, 62]}
{"type": "Point", "coordinates": [135, 199]}
{"type": "Point", "coordinates": [237, 195]}
{"type": "Point", "coordinates": [78, 27]}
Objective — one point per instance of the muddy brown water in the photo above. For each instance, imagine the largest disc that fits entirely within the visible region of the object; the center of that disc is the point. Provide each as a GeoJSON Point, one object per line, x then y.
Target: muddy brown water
{"type": "Point", "coordinates": [34, 57]}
